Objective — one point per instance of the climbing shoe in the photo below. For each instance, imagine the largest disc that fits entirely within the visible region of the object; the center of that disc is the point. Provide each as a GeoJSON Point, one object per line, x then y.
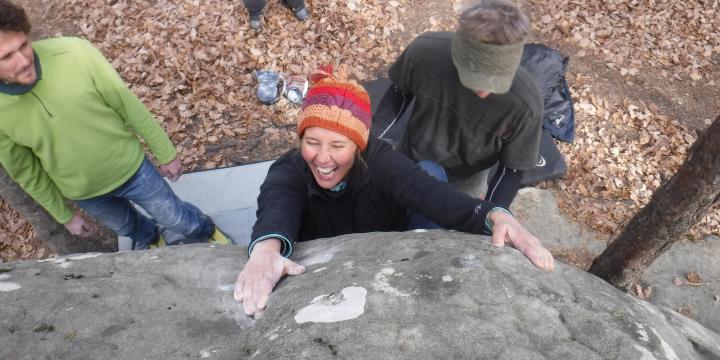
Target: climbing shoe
{"type": "Point", "coordinates": [159, 243]}
{"type": "Point", "coordinates": [219, 238]}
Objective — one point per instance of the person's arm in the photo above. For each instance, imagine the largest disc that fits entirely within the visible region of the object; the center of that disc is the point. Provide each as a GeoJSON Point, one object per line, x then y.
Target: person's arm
{"type": "Point", "coordinates": [137, 117]}
{"type": "Point", "coordinates": [522, 149]}
{"type": "Point", "coordinates": [506, 229]}
{"type": "Point", "coordinates": [504, 186]}
{"type": "Point", "coordinates": [280, 205]}
{"type": "Point", "coordinates": [391, 108]}
{"type": "Point", "coordinates": [411, 187]}
{"type": "Point", "coordinates": [25, 169]}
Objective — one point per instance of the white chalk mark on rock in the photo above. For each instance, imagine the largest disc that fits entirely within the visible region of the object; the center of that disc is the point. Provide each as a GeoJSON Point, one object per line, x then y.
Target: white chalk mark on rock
{"type": "Point", "coordinates": [154, 257]}
{"type": "Point", "coordinates": [382, 284]}
{"type": "Point", "coordinates": [641, 331]}
{"type": "Point", "coordinates": [447, 278]}
{"type": "Point", "coordinates": [227, 287]}
{"type": "Point", "coordinates": [646, 355]}
{"type": "Point", "coordinates": [4, 276]}
{"type": "Point", "coordinates": [319, 270]}
{"type": "Point", "coordinates": [9, 286]}
{"type": "Point", "coordinates": [320, 258]}
{"type": "Point", "coordinates": [347, 305]}
{"type": "Point", "coordinates": [272, 334]}
{"type": "Point", "coordinates": [419, 230]}
{"type": "Point", "coordinates": [669, 352]}
{"type": "Point", "coordinates": [83, 256]}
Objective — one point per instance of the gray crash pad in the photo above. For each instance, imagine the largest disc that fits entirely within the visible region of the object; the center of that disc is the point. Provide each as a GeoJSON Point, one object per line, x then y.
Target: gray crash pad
{"type": "Point", "coordinates": [414, 295]}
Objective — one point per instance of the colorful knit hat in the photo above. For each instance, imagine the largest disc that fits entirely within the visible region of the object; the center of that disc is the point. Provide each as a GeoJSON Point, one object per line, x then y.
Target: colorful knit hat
{"type": "Point", "coordinates": [338, 104]}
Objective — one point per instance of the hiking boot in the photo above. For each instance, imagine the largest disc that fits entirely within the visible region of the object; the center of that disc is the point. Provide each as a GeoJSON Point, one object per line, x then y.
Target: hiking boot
{"type": "Point", "coordinates": [218, 238]}
{"type": "Point", "coordinates": [270, 86]}
{"type": "Point", "coordinates": [256, 22]}
{"type": "Point", "coordinates": [302, 13]}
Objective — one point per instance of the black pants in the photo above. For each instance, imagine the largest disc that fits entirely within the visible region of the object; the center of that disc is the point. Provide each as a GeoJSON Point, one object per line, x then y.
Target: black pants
{"type": "Point", "coordinates": [255, 7]}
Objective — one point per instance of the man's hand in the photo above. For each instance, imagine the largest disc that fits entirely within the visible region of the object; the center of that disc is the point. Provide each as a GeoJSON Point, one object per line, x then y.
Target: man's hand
{"type": "Point", "coordinates": [260, 275]}
{"type": "Point", "coordinates": [172, 170]}
{"type": "Point", "coordinates": [78, 226]}
{"type": "Point", "coordinates": [508, 230]}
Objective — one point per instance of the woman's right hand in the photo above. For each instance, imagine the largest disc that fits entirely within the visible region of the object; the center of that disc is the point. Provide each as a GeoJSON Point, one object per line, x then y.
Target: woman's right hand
{"type": "Point", "coordinates": [260, 275]}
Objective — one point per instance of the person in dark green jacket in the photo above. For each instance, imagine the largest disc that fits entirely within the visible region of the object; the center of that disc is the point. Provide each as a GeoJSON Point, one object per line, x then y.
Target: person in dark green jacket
{"type": "Point", "coordinates": [69, 129]}
{"type": "Point", "coordinates": [474, 106]}
{"type": "Point", "coordinates": [341, 181]}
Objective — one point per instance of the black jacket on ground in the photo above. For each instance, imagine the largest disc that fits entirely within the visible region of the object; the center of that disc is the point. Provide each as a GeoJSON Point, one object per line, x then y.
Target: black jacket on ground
{"type": "Point", "coordinates": [382, 185]}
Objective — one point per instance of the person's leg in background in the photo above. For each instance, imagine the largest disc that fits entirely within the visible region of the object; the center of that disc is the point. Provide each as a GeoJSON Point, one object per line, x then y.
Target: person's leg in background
{"type": "Point", "coordinates": [416, 220]}
{"type": "Point", "coordinates": [148, 189]}
{"type": "Point", "coordinates": [298, 8]}
{"type": "Point", "coordinates": [120, 216]}
{"type": "Point", "coordinates": [255, 8]}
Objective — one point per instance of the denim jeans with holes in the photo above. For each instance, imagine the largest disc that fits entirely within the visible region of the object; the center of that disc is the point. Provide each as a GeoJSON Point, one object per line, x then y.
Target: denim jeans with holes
{"type": "Point", "coordinates": [415, 219]}
{"type": "Point", "coordinates": [148, 189]}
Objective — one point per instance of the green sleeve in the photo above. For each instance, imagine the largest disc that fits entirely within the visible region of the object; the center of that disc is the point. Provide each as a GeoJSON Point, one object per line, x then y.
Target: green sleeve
{"type": "Point", "coordinates": [137, 117]}
{"type": "Point", "coordinates": [23, 167]}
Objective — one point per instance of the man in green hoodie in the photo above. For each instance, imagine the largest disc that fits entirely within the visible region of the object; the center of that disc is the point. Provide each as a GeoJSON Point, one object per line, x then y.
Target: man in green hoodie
{"type": "Point", "coordinates": [69, 129]}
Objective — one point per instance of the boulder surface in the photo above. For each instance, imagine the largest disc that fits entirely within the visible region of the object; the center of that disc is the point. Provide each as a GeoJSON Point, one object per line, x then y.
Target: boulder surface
{"type": "Point", "coordinates": [413, 295]}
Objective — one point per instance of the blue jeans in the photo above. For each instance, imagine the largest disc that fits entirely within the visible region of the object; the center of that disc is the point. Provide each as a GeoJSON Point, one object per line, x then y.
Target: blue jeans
{"type": "Point", "coordinates": [415, 219]}
{"type": "Point", "coordinates": [148, 189]}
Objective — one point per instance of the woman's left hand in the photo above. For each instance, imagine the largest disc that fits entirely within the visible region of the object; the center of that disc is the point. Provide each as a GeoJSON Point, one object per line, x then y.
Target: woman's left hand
{"type": "Point", "coordinates": [507, 230]}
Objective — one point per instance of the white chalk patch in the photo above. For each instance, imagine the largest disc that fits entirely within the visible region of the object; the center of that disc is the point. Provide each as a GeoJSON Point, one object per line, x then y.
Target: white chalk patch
{"type": "Point", "coordinates": [669, 352]}
{"type": "Point", "coordinates": [319, 258]}
{"type": "Point", "coordinates": [349, 265]}
{"type": "Point", "coordinates": [48, 259]}
{"type": "Point", "coordinates": [641, 331]}
{"type": "Point", "coordinates": [347, 305]}
{"type": "Point", "coordinates": [154, 257]}
{"type": "Point", "coordinates": [4, 276]}
{"type": "Point", "coordinates": [447, 278]}
{"type": "Point", "coordinates": [257, 352]}
{"type": "Point", "coordinates": [319, 270]}
{"type": "Point", "coordinates": [9, 286]}
{"type": "Point", "coordinates": [227, 287]}
{"type": "Point", "coordinates": [419, 230]}
{"type": "Point", "coordinates": [646, 355]}
{"type": "Point", "coordinates": [64, 265]}
{"type": "Point", "coordinates": [205, 354]}
{"type": "Point", "coordinates": [469, 260]}
{"type": "Point", "coordinates": [273, 334]}
{"type": "Point", "coordinates": [382, 284]}
{"type": "Point", "coordinates": [83, 256]}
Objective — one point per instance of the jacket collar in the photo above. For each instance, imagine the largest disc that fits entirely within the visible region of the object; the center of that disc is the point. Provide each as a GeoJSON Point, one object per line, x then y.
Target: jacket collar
{"type": "Point", "coordinates": [17, 89]}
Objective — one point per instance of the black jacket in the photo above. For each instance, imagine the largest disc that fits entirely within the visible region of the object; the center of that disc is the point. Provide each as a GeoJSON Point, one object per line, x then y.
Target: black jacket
{"type": "Point", "coordinates": [382, 185]}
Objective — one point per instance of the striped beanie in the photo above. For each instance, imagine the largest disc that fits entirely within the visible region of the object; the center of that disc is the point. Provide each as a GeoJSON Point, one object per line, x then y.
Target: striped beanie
{"type": "Point", "coordinates": [338, 104]}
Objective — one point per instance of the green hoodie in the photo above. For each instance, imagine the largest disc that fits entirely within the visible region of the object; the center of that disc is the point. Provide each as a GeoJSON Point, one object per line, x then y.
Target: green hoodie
{"type": "Point", "coordinates": [73, 135]}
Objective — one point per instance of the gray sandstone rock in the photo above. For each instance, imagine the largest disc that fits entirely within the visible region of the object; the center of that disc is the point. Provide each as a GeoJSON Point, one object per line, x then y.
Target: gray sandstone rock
{"type": "Point", "coordinates": [430, 295]}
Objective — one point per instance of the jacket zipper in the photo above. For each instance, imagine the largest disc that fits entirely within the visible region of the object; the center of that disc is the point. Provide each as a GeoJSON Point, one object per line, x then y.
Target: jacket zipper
{"type": "Point", "coordinates": [41, 103]}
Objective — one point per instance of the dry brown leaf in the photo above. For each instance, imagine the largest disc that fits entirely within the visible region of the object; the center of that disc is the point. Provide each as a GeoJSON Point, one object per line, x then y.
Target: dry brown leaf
{"type": "Point", "coordinates": [693, 277]}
